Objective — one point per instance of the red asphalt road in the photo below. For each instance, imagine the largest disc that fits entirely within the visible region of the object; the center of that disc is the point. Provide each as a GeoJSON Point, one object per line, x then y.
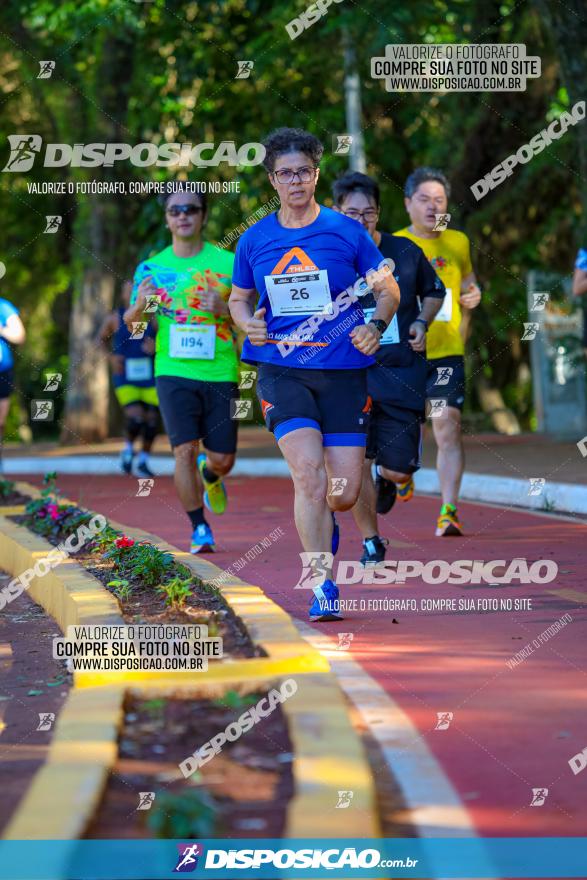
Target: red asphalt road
{"type": "Point", "coordinates": [513, 729]}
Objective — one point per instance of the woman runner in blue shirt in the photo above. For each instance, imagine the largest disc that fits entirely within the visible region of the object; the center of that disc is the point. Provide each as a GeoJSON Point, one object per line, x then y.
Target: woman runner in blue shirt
{"type": "Point", "coordinates": [296, 276]}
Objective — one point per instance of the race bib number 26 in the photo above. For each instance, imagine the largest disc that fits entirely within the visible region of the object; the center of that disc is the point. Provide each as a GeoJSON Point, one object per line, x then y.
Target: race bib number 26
{"type": "Point", "coordinates": [300, 293]}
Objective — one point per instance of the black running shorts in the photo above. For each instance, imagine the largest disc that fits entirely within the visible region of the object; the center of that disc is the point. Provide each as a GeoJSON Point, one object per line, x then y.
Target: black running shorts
{"type": "Point", "coordinates": [195, 410]}
{"type": "Point", "coordinates": [335, 402]}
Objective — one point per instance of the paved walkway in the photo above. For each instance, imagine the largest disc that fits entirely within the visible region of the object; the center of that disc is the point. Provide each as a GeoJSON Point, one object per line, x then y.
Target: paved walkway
{"type": "Point", "coordinates": [512, 729]}
{"type": "Point", "coordinates": [526, 455]}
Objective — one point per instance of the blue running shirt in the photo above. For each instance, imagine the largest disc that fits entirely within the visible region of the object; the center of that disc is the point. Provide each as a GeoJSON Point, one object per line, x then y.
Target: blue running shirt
{"type": "Point", "coordinates": [305, 279]}
{"type": "Point", "coordinates": [6, 358]}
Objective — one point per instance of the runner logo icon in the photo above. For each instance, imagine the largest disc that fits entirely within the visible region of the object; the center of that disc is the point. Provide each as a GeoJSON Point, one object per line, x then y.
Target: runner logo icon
{"type": "Point", "coordinates": [188, 857]}
{"type": "Point", "coordinates": [46, 719]}
{"type": "Point", "coordinates": [344, 800]}
{"type": "Point", "coordinates": [444, 719]}
{"type": "Point", "coordinates": [23, 149]}
{"type": "Point", "coordinates": [539, 795]}
{"type": "Point", "coordinates": [444, 374]}
{"type": "Point", "coordinates": [315, 568]}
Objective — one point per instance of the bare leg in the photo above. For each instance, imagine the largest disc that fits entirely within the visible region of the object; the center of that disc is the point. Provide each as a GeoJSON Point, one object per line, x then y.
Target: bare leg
{"type": "Point", "coordinates": [304, 454]}
{"type": "Point", "coordinates": [450, 459]}
{"type": "Point", "coordinates": [186, 477]}
{"type": "Point", "coordinates": [364, 510]}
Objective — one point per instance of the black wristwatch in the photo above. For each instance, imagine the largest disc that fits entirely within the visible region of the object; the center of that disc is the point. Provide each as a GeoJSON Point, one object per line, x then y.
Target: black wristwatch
{"type": "Point", "coordinates": [422, 321]}
{"type": "Point", "coordinates": [379, 324]}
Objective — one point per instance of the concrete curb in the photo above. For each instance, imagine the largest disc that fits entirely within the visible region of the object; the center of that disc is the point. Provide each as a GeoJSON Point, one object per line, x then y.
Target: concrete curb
{"type": "Point", "coordinates": [512, 491]}
{"type": "Point", "coordinates": [84, 748]}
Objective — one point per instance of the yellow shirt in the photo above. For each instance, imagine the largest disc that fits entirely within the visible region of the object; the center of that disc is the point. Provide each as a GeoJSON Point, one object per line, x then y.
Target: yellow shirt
{"type": "Point", "coordinates": [450, 257]}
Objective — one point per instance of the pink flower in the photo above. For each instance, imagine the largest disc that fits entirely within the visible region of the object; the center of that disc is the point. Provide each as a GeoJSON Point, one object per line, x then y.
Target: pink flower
{"type": "Point", "coordinates": [53, 511]}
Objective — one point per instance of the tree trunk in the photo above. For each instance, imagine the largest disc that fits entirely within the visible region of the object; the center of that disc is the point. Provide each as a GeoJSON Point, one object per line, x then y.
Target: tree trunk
{"type": "Point", "coordinates": [567, 24]}
{"type": "Point", "coordinates": [354, 113]}
{"type": "Point", "coordinates": [102, 251]}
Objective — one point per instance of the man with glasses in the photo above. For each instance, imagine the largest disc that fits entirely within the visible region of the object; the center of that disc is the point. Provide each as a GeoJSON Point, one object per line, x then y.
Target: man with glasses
{"type": "Point", "coordinates": [427, 191]}
{"type": "Point", "coordinates": [397, 380]}
{"type": "Point", "coordinates": [186, 286]}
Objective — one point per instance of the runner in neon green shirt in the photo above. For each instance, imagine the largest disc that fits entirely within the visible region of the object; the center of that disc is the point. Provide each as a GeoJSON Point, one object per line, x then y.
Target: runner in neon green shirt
{"type": "Point", "coordinates": [196, 369]}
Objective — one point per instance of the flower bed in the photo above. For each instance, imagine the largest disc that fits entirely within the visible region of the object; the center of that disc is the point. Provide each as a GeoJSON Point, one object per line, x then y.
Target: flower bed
{"type": "Point", "coordinates": [149, 584]}
{"type": "Point", "coordinates": [241, 792]}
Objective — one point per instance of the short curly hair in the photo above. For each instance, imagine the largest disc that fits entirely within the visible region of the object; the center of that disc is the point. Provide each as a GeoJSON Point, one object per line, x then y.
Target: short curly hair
{"type": "Point", "coordinates": [291, 140]}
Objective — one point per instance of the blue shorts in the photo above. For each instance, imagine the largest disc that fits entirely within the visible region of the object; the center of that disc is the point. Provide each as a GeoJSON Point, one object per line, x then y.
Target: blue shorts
{"type": "Point", "coordinates": [334, 402]}
{"type": "Point", "coordinates": [446, 379]}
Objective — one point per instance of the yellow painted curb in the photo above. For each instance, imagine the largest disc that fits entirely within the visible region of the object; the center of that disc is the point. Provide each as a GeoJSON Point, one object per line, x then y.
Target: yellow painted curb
{"type": "Point", "coordinates": [328, 754]}
{"type": "Point", "coordinates": [66, 791]}
{"type": "Point", "coordinates": [68, 593]}
{"type": "Point", "coordinates": [218, 672]}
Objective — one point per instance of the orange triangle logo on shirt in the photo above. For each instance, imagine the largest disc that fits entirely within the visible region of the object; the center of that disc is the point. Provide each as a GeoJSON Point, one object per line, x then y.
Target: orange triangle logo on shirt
{"type": "Point", "coordinates": [303, 265]}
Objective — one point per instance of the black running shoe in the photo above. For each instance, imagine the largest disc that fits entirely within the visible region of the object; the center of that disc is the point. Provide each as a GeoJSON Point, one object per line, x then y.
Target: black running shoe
{"type": "Point", "coordinates": [374, 549]}
{"type": "Point", "coordinates": [386, 494]}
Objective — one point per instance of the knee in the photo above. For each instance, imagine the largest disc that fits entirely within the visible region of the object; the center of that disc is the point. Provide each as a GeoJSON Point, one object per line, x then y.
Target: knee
{"type": "Point", "coordinates": [309, 477]}
{"type": "Point", "coordinates": [347, 498]}
{"type": "Point", "coordinates": [221, 463]}
{"type": "Point", "coordinates": [185, 452]}
{"type": "Point", "coordinates": [394, 476]}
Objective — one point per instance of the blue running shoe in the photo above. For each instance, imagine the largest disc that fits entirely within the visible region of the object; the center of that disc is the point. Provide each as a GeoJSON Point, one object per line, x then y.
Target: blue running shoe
{"type": "Point", "coordinates": [202, 539]}
{"type": "Point", "coordinates": [326, 604]}
{"type": "Point", "coordinates": [335, 535]}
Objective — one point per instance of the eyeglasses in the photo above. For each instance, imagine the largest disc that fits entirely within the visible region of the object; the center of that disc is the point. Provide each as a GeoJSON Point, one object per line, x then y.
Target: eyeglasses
{"type": "Point", "coordinates": [369, 215]}
{"type": "Point", "coordinates": [189, 210]}
{"type": "Point", "coordinates": [287, 175]}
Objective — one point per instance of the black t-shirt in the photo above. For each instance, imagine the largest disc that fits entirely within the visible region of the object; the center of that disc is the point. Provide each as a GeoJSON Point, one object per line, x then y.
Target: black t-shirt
{"type": "Point", "coordinates": [399, 375]}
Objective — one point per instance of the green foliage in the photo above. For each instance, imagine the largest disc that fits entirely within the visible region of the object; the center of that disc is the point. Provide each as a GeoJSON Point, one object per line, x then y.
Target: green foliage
{"type": "Point", "coordinates": [104, 540]}
{"type": "Point", "coordinates": [144, 73]}
{"type": "Point", "coordinates": [143, 561]}
{"type": "Point", "coordinates": [176, 591]}
{"type": "Point", "coordinates": [6, 488]}
{"type": "Point", "coordinates": [191, 814]}
{"type": "Point", "coordinates": [234, 700]}
{"type": "Point", "coordinates": [121, 588]}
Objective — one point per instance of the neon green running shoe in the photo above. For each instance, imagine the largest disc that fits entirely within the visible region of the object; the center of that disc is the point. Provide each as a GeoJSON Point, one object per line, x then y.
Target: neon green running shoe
{"type": "Point", "coordinates": [214, 493]}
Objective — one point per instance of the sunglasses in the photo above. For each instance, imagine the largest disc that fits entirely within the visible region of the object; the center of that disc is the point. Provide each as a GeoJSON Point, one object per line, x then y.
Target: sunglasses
{"type": "Point", "coordinates": [189, 210]}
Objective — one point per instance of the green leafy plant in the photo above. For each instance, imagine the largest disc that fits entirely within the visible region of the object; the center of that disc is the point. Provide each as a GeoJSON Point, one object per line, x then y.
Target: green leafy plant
{"type": "Point", "coordinates": [139, 560]}
{"type": "Point", "coordinates": [121, 588]}
{"type": "Point", "coordinates": [6, 488]}
{"type": "Point", "coordinates": [176, 591]}
{"type": "Point", "coordinates": [154, 708]}
{"type": "Point", "coordinates": [234, 700]}
{"type": "Point", "coordinates": [191, 814]}
{"type": "Point", "coordinates": [104, 540]}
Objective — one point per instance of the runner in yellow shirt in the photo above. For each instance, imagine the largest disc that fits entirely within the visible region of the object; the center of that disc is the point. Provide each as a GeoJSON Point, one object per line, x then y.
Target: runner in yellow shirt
{"type": "Point", "coordinates": [426, 199]}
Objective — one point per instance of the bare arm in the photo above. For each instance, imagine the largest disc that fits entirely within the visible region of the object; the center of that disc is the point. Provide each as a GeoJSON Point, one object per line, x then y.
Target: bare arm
{"type": "Point", "coordinates": [470, 292]}
{"type": "Point", "coordinates": [431, 305]}
{"type": "Point", "coordinates": [385, 289]}
{"type": "Point", "coordinates": [579, 282]}
{"type": "Point", "coordinates": [105, 333]}
{"type": "Point", "coordinates": [136, 312]}
{"type": "Point", "coordinates": [13, 331]}
{"type": "Point", "coordinates": [241, 305]}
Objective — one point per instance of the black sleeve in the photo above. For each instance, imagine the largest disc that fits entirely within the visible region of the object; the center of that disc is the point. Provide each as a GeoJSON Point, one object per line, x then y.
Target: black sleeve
{"type": "Point", "coordinates": [428, 283]}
